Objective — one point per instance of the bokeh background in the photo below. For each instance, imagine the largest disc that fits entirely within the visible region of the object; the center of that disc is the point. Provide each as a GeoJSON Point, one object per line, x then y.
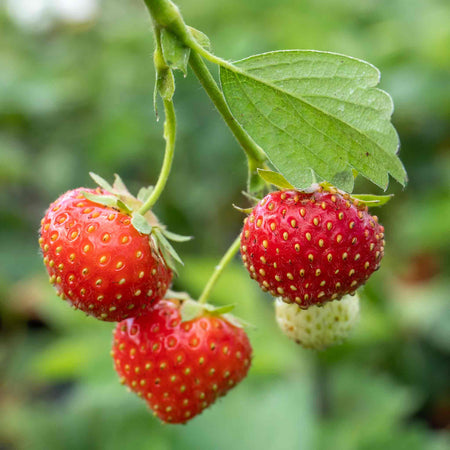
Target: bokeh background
{"type": "Point", "coordinates": [76, 82]}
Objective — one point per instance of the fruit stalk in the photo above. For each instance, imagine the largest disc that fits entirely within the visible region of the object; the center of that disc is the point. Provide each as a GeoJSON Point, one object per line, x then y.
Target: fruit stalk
{"type": "Point", "coordinates": [227, 257]}
{"type": "Point", "coordinates": [169, 136]}
{"type": "Point", "coordinates": [165, 14]}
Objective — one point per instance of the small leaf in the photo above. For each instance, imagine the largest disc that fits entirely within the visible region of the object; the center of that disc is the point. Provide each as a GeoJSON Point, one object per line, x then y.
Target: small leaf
{"type": "Point", "coordinates": [275, 178]}
{"type": "Point", "coordinates": [144, 193]}
{"type": "Point", "coordinates": [140, 223]}
{"type": "Point", "coordinates": [176, 54]}
{"type": "Point", "coordinates": [165, 84]}
{"type": "Point", "coordinates": [176, 237]}
{"type": "Point", "coordinates": [105, 200]}
{"type": "Point", "coordinates": [316, 110]}
{"type": "Point", "coordinates": [190, 310]}
{"type": "Point", "coordinates": [119, 185]}
{"type": "Point", "coordinates": [201, 38]}
{"type": "Point", "coordinates": [373, 200]}
{"type": "Point", "coordinates": [101, 181]}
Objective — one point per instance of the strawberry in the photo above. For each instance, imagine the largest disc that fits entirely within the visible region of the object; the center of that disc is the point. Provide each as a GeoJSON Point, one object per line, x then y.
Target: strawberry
{"type": "Point", "coordinates": [98, 261]}
{"type": "Point", "coordinates": [318, 327]}
{"type": "Point", "coordinates": [311, 247]}
{"type": "Point", "coordinates": [180, 368]}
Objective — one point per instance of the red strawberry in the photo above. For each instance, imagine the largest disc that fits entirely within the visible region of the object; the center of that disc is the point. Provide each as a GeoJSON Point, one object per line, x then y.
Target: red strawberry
{"type": "Point", "coordinates": [98, 261]}
{"type": "Point", "coordinates": [310, 248]}
{"type": "Point", "coordinates": [180, 368]}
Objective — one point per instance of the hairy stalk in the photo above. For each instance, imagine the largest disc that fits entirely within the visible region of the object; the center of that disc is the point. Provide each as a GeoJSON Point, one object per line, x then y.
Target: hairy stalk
{"type": "Point", "coordinates": [226, 258]}
{"type": "Point", "coordinates": [169, 136]}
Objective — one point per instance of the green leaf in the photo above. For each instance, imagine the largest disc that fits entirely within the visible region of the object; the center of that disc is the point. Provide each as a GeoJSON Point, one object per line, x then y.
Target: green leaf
{"type": "Point", "coordinates": [316, 110]}
{"type": "Point", "coordinates": [344, 180]}
{"type": "Point", "coordinates": [373, 200]}
{"type": "Point", "coordinates": [140, 223]}
{"type": "Point", "coordinates": [176, 237]}
{"type": "Point", "coordinates": [201, 38]}
{"type": "Point", "coordinates": [176, 54]}
{"type": "Point", "coordinates": [275, 178]}
{"type": "Point", "coordinates": [101, 181]}
{"type": "Point", "coordinates": [144, 193]}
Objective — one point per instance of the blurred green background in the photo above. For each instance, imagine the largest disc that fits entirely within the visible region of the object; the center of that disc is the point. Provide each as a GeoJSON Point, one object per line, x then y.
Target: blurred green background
{"type": "Point", "coordinates": [76, 82]}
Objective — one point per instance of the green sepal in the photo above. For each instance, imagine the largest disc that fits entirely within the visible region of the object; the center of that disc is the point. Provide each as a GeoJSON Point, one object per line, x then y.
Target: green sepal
{"type": "Point", "coordinates": [175, 237]}
{"type": "Point", "coordinates": [275, 179]}
{"type": "Point", "coordinates": [168, 252]}
{"type": "Point", "coordinates": [253, 198]}
{"type": "Point", "coordinates": [140, 223]}
{"type": "Point", "coordinates": [176, 54]}
{"type": "Point", "coordinates": [107, 200]}
{"type": "Point", "coordinates": [242, 210]}
{"type": "Point", "coordinates": [372, 200]}
{"type": "Point", "coordinates": [144, 193]}
{"type": "Point", "coordinates": [101, 181]}
{"type": "Point", "coordinates": [237, 321]}
{"type": "Point", "coordinates": [190, 310]}
{"type": "Point", "coordinates": [119, 186]}
{"type": "Point", "coordinates": [201, 38]}
{"type": "Point", "coordinates": [219, 310]}
{"type": "Point", "coordinates": [177, 295]}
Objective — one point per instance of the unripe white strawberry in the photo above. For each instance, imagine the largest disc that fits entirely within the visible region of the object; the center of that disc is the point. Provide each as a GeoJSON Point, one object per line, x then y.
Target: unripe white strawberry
{"type": "Point", "coordinates": [318, 327]}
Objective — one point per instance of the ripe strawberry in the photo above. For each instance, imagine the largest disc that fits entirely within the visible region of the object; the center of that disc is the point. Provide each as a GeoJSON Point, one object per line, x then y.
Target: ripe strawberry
{"type": "Point", "coordinates": [311, 247]}
{"type": "Point", "coordinates": [98, 261]}
{"type": "Point", "coordinates": [180, 368]}
{"type": "Point", "coordinates": [318, 327]}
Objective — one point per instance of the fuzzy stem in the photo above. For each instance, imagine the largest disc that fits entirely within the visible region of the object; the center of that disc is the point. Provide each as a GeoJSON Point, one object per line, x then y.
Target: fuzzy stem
{"type": "Point", "coordinates": [169, 136]}
{"type": "Point", "coordinates": [226, 258]}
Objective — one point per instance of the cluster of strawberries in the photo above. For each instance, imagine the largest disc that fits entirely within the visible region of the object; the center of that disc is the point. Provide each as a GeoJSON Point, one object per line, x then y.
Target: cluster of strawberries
{"type": "Point", "coordinates": [310, 249]}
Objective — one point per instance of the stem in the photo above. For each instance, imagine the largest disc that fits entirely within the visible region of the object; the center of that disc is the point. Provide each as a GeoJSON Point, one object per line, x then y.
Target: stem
{"type": "Point", "coordinates": [219, 269]}
{"type": "Point", "coordinates": [166, 14]}
{"type": "Point", "coordinates": [169, 136]}
{"type": "Point", "coordinates": [251, 149]}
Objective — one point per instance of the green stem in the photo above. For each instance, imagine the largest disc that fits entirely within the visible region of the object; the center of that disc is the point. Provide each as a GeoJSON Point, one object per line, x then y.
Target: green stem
{"type": "Point", "coordinates": [166, 14]}
{"type": "Point", "coordinates": [219, 269]}
{"type": "Point", "coordinates": [169, 136]}
{"type": "Point", "coordinates": [251, 149]}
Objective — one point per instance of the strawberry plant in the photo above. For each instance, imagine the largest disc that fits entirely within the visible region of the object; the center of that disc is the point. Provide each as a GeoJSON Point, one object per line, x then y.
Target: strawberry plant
{"type": "Point", "coordinates": [309, 122]}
